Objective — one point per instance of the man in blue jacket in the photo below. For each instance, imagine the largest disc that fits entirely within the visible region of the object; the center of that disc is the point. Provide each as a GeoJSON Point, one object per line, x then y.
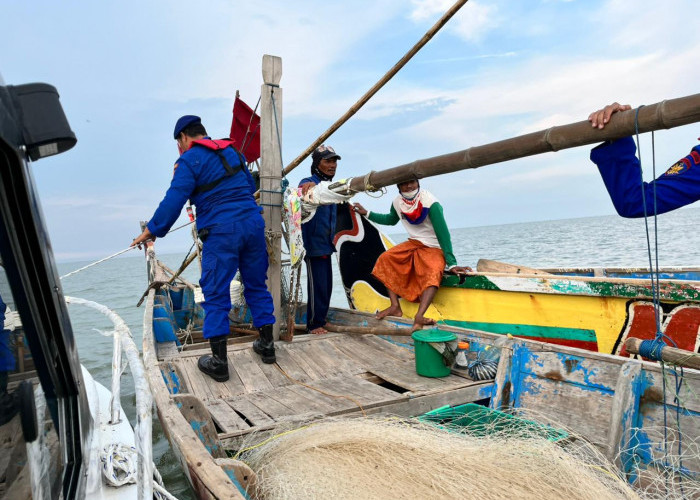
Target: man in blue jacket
{"type": "Point", "coordinates": [213, 175]}
{"type": "Point", "coordinates": [318, 234]}
{"type": "Point", "coordinates": [620, 169]}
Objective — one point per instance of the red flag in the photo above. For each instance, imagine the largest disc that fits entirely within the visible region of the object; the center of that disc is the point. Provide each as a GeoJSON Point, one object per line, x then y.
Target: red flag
{"type": "Point", "coordinates": [245, 130]}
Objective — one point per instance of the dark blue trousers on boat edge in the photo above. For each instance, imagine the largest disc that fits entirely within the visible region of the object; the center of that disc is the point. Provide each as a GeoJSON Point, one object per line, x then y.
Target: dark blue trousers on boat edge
{"type": "Point", "coordinates": [228, 247]}
{"type": "Point", "coordinates": [319, 271]}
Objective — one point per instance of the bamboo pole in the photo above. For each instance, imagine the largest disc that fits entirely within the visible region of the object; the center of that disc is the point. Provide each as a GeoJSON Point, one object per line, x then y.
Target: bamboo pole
{"type": "Point", "coordinates": [671, 355]}
{"type": "Point", "coordinates": [368, 95]}
{"type": "Point", "coordinates": [663, 115]}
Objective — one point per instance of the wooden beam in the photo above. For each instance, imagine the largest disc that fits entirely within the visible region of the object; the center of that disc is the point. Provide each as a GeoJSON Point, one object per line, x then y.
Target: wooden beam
{"type": "Point", "coordinates": [271, 176]}
{"type": "Point", "coordinates": [670, 355]}
{"type": "Point", "coordinates": [662, 115]}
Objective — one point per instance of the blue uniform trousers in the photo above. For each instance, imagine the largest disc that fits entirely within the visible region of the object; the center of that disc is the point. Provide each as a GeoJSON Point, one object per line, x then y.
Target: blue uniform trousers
{"type": "Point", "coordinates": [228, 247]}
{"type": "Point", "coordinates": [7, 357]}
{"type": "Point", "coordinates": [319, 285]}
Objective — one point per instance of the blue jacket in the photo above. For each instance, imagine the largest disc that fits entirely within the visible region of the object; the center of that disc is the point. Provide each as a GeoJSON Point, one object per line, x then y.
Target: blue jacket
{"type": "Point", "coordinates": [231, 198]}
{"type": "Point", "coordinates": [620, 169]}
{"type": "Point", "coordinates": [318, 233]}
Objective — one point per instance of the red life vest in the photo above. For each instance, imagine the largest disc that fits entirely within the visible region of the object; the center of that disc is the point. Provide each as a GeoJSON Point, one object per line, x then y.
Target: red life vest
{"type": "Point", "coordinates": [218, 145]}
{"type": "Point", "coordinates": [214, 144]}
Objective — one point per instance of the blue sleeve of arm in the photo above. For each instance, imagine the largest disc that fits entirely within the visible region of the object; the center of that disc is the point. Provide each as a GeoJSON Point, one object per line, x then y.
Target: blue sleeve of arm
{"type": "Point", "coordinates": [168, 211]}
{"type": "Point", "coordinates": [621, 173]}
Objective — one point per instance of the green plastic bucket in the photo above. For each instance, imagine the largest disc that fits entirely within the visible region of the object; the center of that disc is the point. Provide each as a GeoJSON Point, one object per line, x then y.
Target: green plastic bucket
{"type": "Point", "coordinates": [429, 362]}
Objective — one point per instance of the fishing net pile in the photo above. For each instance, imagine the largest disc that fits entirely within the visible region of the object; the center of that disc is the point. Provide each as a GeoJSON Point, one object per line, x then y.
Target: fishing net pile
{"type": "Point", "coordinates": [380, 458]}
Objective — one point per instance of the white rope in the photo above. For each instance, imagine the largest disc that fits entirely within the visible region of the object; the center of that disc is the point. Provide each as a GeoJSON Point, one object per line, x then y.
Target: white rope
{"type": "Point", "coordinates": [118, 464]}
{"type": "Point", "coordinates": [97, 262]}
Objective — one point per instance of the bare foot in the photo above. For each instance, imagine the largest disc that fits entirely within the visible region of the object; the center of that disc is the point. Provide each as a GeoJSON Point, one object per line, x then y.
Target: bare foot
{"type": "Point", "coordinates": [419, 322]}
{"type": "Point", "coordinates": [390, 311]}
{"type": "Point", "coordinates": [319, 331]}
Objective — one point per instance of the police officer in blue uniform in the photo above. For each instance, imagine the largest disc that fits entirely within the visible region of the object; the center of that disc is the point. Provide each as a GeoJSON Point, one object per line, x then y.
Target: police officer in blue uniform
{"type": "Point", "coordinates": [620, 170]}
{"type": "Point", "coordinates": [213, 175]}
{"type": "Point", "coordinates": [318, 234]}
{"type": "Point", "coordinates": [8, 404]}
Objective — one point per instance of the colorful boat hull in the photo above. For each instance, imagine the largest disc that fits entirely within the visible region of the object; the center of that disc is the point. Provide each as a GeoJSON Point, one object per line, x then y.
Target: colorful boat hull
{"type": "Point", "coordinates": [575, 308]}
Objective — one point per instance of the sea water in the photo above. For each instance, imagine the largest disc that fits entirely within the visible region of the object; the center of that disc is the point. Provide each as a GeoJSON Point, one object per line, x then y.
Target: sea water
{"type": "Point", "coordinates": [608, 241]}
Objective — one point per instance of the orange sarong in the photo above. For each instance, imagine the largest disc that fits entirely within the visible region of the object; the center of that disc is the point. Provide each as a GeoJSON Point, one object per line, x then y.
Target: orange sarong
{"type": "Point", "coordinates": [409, 268]}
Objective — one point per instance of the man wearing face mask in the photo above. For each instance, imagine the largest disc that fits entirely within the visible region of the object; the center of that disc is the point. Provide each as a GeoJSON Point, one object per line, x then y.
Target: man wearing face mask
{"type": "Point", "coordinates": [318, 235]}
{"type": "Point", "coordinates": [213, 175]}
{"type": "Point", "coordinates": [413, 269]}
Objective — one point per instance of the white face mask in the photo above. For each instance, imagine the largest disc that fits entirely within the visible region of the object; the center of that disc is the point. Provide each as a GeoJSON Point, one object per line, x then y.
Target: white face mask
{"type": "Point", "coordinates": [409, 195]}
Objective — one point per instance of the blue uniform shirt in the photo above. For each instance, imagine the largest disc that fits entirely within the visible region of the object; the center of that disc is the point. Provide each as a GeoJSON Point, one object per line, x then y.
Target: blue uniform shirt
{"type": "Point", "coordinates": [318, 233]}
{"type": "Point", "coordinates": [231, 198]}
{"type": "Point", "coordinates": [620, 169]}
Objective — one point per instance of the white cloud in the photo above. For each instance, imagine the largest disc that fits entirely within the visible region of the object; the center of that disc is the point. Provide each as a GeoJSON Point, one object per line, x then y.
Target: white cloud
{"type": "Point", "coordinates": [471, 23]}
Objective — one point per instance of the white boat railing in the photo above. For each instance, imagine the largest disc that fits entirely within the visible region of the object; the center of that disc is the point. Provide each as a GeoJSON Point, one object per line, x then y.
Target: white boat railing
{"type": "Point", "coordinates": [124, 342]}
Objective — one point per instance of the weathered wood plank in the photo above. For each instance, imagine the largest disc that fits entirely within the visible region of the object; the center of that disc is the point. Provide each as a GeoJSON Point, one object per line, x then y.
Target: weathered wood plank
{"type": "Point", "coordinates": [198, 387]}
{"type": "Point", "coordinates": [325, 362]}
{"type": "Point", "coordinates": [250, 373]}
{"type": "Point", "coordinates": [251, 412]}
{"type": "Point", "coordinates": [334, 404]}
{"type": "Point", "coordinates": [167, 350]}
{"type": "Point", "coordinates": [345, 364]}
{"type": "Point", "coordinates": [290, 367]}
{"type": "Point", "coordinates": [357, 389]}
{"type": "Point", "coordinates": [365, 355]}
{"type": "Point", "coordinates": [272, 372]}
{"type": "Point", "coordinates": [403, 374]}
{"type": "Point", "coordinates": [225, 417]}
{"type": "Point", "coordinates": [652, 420]}
{"type": "Point", "coordinates": [312, 370]}
{"type": "Point", "coordinates": [585, 410]}
{"type": "Point", "coordinates": [688, 393]}
{"type": "Point", "coordinates": [234, 384]}
{"type": "Point", "coordinates": [388, 348]}
{"type": "Point", "coordinates": [571, 368]}
{"type": "Point", "coordinates": [218, 390]}
{"type": "Point", "coordinates": [624, 411]}
{"type": "Point", "coordinates": [298, 403]}
{"type": "Point", "coordinates": [502, 397]}
{"type": "Point", "coordinates": [271, 406]}
{"type": "Point", "coordinates": [200, 421]}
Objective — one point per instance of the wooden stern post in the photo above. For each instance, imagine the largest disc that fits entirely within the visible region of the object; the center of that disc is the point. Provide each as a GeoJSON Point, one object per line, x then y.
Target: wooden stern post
{"type": "Point", "coordinates": [271, 175]}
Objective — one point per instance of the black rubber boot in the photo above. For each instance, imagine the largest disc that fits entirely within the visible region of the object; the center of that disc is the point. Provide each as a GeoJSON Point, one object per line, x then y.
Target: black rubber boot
{"type": "Point", "coordinates": [265, 345]}
{"type": "Point", "coordinates": [216, 364]}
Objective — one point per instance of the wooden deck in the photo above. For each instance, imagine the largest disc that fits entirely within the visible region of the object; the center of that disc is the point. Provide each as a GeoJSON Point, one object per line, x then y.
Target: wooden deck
{"type": "Point", "coordinates": [315, 376]}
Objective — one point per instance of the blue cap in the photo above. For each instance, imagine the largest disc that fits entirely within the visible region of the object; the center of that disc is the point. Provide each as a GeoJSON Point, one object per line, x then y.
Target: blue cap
{"type": "Point", "coordinates": [184, 122]}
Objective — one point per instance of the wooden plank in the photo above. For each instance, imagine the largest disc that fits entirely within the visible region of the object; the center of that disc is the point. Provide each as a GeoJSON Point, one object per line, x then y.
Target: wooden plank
{"type": "Point", "coordinates": [251, 412]}
{"type": "Point", "coordinates": [494, 266]}
{"type": "Point", "coordinates": [225, 417]}
{"type": "Point", "coordinates": [313, 371]}
{"type": "Point", "coordinates": [624, 411]}
{"type": "Point", "coordinates": [271, 406]}
{"type": "Point", "coordinates": [688, 393]}
{"type": "Point", "coordinates": [335, 404]}
{"type": "Point", "coordinates": [584, 410]}
{"type": "Point", "coordinates": [298, 403]}
{"type": "Point", "coordinates": [234, 384]}
{"type": "Point", "coordinates": [502, 397]}
{"type": "Point", "coordinates": [200, 421]}
{"type": "Point", "coordinates": [388, 348]}
{"type": "Point", "coordinates": [652, 421]}
{"type": "Point", "coordinates": [167, 350]}
{"type": "Point", "coordinates": [365, 355]}
{"type": "Point", "coordinates": [574, 368]}
{"type": "Point", "coordinates": [323, 360]}
{"type": "Point", "coordinates": [290, 367]}
{"type": "Point", "coordinates": [198, 387]}
{"type": "Point", "coordinates": [344, 363]}
{"type": "Point", "coordinates": [404, 375]}
{"type": "Point", "coordinates": [218, 390]}
{"type": "Point", "coordinates": [250, 373]}
{"type": "Point", "coordinates": [358, 389]}
{"type": "Point", "coordinates": [402, 407]}
{"type": "Point", "coordinates": [272, 372]}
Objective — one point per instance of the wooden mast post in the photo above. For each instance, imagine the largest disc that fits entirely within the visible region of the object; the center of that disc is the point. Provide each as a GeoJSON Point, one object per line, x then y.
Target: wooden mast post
{"type": "Point", "coordinates": [271, 176]}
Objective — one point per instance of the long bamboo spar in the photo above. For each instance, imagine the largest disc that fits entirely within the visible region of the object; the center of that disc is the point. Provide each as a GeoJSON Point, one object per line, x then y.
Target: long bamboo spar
{"type": "Point", "coordinates": [663, 115]}
{"type": "Point", "coordinates": [388, 76]}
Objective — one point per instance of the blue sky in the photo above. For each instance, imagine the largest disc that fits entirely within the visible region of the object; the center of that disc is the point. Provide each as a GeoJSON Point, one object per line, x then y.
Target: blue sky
{"type": "Point", "coordinates": [127, 70]}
